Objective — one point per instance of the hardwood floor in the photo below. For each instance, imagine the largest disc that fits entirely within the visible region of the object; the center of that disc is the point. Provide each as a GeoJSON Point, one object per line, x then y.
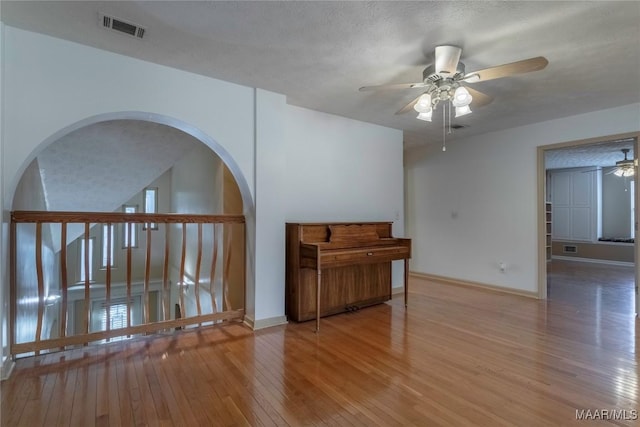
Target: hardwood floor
{"type": "Point", "coordinates": [457, 356]}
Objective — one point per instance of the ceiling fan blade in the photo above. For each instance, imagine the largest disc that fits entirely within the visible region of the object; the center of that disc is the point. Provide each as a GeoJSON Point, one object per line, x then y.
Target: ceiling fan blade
{"type": "Point", "coordinates": [479, 98]}
{"type": "Point", "coordinates": [505, 70]}
{"type": "Point", "coordinates": [409, 106]}
{"type": "Point", "coordinates": [447, 58]}
{"type": "Point", "coordinates": [392, 86]}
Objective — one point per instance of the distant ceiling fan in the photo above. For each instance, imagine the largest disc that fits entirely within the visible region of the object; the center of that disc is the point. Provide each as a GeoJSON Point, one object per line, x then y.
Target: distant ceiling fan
{"type": "Point", "coordinates": [443, 81]}
{"type": "Point", "coordinates": [624, 167]}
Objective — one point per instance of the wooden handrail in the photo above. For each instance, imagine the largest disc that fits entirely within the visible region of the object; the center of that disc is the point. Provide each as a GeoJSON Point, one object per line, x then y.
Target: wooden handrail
{"type": "Point", "coordinates": [106, 217]}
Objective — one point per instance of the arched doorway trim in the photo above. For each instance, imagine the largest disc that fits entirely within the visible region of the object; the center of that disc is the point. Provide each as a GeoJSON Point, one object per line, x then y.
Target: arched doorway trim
{"type": "Point", "coordinates": [232, 165]}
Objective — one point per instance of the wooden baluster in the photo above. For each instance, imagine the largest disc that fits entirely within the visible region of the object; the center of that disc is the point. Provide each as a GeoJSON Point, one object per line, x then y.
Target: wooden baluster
{"type": "Point", "coordinates": [166, 292]}
{"type": "Point", "coordinates": [406, 282]}
{"type": "Point", "coordinates": [63, 280]}
{"type": "Point", "coordinates": [40, 277]}
{"type": "Point", "coordinates": [214, 262]}
{"type": "Point", "coordinates": [198, 262]}
{"type": "Point", "coordinates": [147, 274]}
{"type": "Point", "coordinates": [129, 245]}
{"type": "Point", "coordinates": [85, 336]}
{"type": "Point", "coordinates": [108, 277]}
{"type": "Point", "coordinates": [87, 282]}
{"type": "Point", "coordinates": [227, 264]}
{"type": "Point", "coordinates": [318, 288]}
{"type": "Point", "coordinates": [182, 262]}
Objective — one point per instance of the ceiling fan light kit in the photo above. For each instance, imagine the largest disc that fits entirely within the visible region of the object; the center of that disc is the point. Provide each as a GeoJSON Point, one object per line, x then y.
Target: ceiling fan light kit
{"type": "Point", "coordinates": [443, 82]}
{"type": "Point", "coordinates": [463, 111]}
{"type": "Point", "coordinates": [461, 97]}
{"type": "Point", "coordinates": [623, 172]}
{"type": "Point", "coordinates": [625, 168]}
{"type": "Point", "coordinates": [424, 104]}
{"type": "Point", "coordinates": [425, 116]}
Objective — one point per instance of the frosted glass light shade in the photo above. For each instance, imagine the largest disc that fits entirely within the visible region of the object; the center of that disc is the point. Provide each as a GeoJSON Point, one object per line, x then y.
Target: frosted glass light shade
{"type": "Point", "coordinates": [425, 116]}
{"type": "Point", "coordinates": [461, 97]}
{"type": "Point", "coordinates": [463, 111]}
{"type": "Point", "coordinates": [624, 171]}
{"type": "Point", "coordinates": [424, 104]}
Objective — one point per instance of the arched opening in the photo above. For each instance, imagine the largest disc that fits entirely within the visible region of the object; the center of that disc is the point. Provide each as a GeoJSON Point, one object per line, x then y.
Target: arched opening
{"type": "Point", "coordinates": [129, 163]}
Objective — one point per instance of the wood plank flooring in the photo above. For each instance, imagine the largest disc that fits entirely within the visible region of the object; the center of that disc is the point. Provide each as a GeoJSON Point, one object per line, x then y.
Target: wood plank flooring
{"type": "Point", "coordinates": [456, 357]}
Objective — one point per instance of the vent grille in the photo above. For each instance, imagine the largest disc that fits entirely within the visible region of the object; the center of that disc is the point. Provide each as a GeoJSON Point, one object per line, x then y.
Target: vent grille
{"type": "Point", "coordinates": [570, 249]}
{"type": "Point", "coordinates": [121, 26]}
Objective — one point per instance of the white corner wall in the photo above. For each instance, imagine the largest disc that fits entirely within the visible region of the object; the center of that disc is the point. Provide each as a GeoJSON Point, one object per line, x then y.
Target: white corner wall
{"type": "Point", "coordinates": [271, 113]}
{"type": "Point", "coordinates": [475, 205]}
{"type": "Point", "coordinates": [339, 169]}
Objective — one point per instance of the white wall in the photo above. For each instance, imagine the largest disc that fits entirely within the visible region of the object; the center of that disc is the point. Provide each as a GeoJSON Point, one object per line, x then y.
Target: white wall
{"type": "Point", "coordinates": [4, 235]}
{"type": "Point", "coordinates": [55, 83]}
{"type": "Point", "coordinates": [52, 87]}
{"type": "Point", "coordinates": [616, 205]}
{"type": "Point", "coordinates": [339, 169]}
{"type": "Point", "coordinates": [464, 222]}
{"type": "Point", "coordinates": [271, 178]}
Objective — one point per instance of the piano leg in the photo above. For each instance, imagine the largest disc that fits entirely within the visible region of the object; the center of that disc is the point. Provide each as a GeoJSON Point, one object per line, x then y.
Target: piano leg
{"type": "Point", "coordinates": [406, 281]}
{"type": "Point", "coordinates": [318, 282]}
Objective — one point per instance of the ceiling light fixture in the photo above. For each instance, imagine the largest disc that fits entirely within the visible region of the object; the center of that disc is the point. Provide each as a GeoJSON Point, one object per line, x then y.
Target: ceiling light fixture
{"type": "Point", "coordinates": [451, 94]}
{"type": "Point", "coordinates": [442, 81]}
{"type": "Point", "coordinates": [625, 168]}
{"type": "Point", "coordinates": [425, 116]}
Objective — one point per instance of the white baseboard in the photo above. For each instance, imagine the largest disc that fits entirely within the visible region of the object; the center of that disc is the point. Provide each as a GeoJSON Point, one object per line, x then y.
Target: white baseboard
{"type": "Point", "coordinates": [397, 290]}
{"type": "Point", "coordinates": [593, 261]}
{"type": "Point", "coordinates": [265, 323]}
{"type": "Point", "coordinates": [7, 368]}
{"type": "Point", "coordinates": [467, 283]}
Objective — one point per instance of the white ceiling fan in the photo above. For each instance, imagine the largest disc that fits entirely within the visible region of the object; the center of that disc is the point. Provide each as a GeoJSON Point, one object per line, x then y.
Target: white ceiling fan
{"type": "Point", "coordinates": [446, 80]}
{"type": "Point", "coordinates": [624, 167]}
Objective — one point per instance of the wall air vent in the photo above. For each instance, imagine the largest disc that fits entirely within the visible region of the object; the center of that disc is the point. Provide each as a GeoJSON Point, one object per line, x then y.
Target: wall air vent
{"type": "Point", "coordinates": [570, 249]}
{"type": "Point", "coordinates": [121, 26]}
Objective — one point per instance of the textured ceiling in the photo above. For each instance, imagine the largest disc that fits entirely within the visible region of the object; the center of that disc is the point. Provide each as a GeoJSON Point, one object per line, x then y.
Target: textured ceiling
{"type": "Point", "coordinates": [602, 154]}
{"type": "Point", "coordinates": [99, 167]}
{"type": "Point", "coordinates": [319, 53]}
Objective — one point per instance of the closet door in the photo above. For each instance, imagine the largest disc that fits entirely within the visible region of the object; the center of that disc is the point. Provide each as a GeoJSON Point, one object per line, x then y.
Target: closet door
{"type": "Point", "coordinates": [574, 198]}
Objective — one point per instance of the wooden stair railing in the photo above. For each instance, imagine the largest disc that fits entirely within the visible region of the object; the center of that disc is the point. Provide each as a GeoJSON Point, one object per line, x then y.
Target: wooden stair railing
{"type": "Point", "coordinates": [225, 222]}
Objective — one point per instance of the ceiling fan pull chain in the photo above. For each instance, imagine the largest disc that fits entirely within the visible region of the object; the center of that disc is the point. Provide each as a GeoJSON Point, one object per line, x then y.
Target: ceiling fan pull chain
{"type": "Point", "coordinates": [444, 128]}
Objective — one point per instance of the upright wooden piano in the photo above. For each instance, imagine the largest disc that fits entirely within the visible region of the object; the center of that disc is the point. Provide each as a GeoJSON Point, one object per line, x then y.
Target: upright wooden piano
{"type": "Point", "coordinates": [337, 267]}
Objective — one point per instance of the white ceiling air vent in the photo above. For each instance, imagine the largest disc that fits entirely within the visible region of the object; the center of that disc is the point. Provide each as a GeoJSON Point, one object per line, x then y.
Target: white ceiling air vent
{"type": "Point", "coordinates": [121, 26]}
